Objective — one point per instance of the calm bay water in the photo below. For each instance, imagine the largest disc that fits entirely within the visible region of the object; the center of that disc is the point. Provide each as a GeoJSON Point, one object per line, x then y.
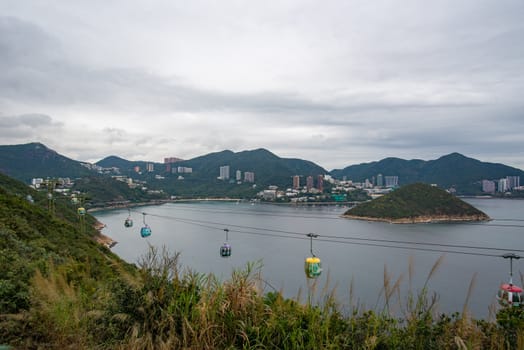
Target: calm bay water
{"type": "Point", "coordinates": [276, 236]}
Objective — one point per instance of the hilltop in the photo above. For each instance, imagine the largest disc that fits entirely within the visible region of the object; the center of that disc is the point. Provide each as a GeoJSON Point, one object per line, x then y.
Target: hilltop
{"type": "Point", "coordinates": [416, 203]}
{"type": "Point", "coordinates": [32, 160]}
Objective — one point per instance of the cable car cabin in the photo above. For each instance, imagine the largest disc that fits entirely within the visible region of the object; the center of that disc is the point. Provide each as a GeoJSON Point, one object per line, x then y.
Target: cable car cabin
{"type": "Point", "coordinates": [510, 295]}
{"type": "Point", "coordinates": [128, 222]}
{"type": "Point", "coordinates": [81, 211]}
{"type": "Point", "coordinates": [145, 231]}
{"type": "Point", "coordinates": [225, 250]}
{"type": "Point", "coordinates": [313, 267]}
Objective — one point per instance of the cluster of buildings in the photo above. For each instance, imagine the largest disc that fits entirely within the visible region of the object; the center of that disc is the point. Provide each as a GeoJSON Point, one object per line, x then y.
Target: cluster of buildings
{"type": "Point", "coordinates": [171, 168]}
{"type": "Point", "coordinates": [503, 185]}
{"type": "Point", "coordinates": [224, 172]}
{"type": "Point", "coordinates": [310, 184]}
{"type": "Point", "coordinates": [39, 182]}
{"type": "Point", "coordinates": [314, 188]}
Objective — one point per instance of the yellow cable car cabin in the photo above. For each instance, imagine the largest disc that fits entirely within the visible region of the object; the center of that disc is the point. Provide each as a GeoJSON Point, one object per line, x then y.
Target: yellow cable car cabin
{"type": "Point", "coordinates": [313, 267]}
{"type": "Point", "coordinates": [81, 211]}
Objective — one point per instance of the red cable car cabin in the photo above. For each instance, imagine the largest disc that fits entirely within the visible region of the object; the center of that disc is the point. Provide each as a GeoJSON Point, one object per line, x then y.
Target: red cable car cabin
{"type": "Point", "coordinates": [510, 295]}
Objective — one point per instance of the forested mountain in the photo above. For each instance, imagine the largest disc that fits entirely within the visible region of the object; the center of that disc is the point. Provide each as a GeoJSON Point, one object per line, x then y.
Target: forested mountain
{"type": "Point", "coordinates": [453, 170]}
{"type": "Point", "coordinates": [31, 160]}
{"type": "Point", "coordinates": [450, 170]}
{"type": "Point", "coordinates": [268, 168]}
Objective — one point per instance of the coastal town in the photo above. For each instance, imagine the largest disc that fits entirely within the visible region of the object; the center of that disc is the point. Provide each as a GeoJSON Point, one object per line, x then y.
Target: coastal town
{"type": "Point", "coordinates": [301, 188]}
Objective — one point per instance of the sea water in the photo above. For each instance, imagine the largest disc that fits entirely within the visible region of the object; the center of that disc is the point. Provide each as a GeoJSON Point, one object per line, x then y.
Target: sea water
{"type": "Point", "coordinates": [358, 257]}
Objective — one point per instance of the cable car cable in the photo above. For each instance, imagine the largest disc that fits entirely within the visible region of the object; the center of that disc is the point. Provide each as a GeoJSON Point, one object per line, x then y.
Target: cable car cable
{"type": "Point", "coordinates": [267, 213]}
{"type": "Point", "coordinates": [332, 217]}
{"type": "Point", "coordinates": [206, 224]}
{"type": "Point", "coordinates": [353, 243]}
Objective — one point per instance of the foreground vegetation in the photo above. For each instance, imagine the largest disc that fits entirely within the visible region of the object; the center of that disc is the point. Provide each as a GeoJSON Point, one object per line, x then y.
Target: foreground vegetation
{"type": "Point", "coordinates": [59, 289]}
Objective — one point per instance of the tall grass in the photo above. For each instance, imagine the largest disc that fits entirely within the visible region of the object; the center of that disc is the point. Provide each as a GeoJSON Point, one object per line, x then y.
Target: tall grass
{"type": "Point", "coordinates": [163, 306]}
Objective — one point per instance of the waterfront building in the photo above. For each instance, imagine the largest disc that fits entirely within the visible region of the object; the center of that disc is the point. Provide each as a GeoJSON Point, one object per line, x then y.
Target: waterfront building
{"type": "Point", "coordinates": [502, 185]}
{"type": "Point", "coordinates": [269, 195]}
{"type": "Point", "coordinates": [296, 181]}
{"type": "Point", "coordinates": [512, 182]}
{"type": "Point", "coordinates": [238, 175]}
{"type": "Point", "coordinates": [488, 186]}
{"type": "Point", "coordinates": [309, 183]}
{"type": "Point", "coordinates": [320, 183]}
{"type": "Point", "coordinates": [150, 167]}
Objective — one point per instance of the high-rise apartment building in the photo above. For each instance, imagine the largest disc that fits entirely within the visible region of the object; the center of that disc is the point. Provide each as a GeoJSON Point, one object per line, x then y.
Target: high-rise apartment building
{"type": "Point", "coordinates": [380, 180]}
{"type": "Point", "coordinates": [512, 182]}
{"type": "Point", "coordinates": [488, 186]}
{"type": "Point", "coordinates": [320, 183]}
{"type": "Point", "coordinates": [238, 176]}
{"type": "Point", "coordinates": [249, 176]}
{"type": "Point", "coordinates": [502, 185]}
{"type": "Point", "coordinates": [296, 182]}
{"type": "Point", "coordinates": [391, 181]}
{"type": "Point", "coordinates": [169, 163]}
{"type": "Point", "coordinates": [309, 183]}
{"type": "Point", "coordinates": [224, 172]}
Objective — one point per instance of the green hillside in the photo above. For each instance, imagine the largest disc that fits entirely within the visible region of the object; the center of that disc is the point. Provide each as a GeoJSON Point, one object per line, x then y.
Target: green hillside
{"type": "Point", "coordinates": [33, 160]}
{"type": "Point", "coordinates": [417, 202]}
{"type": "Point", "coordinates": [269, 169]}
{"type": "Point", "coordinates": [33, 240]}
{"type": "Point", "coordinates": [101, 190]}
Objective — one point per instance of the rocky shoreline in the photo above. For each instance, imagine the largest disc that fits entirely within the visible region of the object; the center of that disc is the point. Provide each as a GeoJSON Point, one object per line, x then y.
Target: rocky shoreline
{"type": "Point", "coordinates": [422, 219]}
{"type": "Point", "coordinates": [101, 238]}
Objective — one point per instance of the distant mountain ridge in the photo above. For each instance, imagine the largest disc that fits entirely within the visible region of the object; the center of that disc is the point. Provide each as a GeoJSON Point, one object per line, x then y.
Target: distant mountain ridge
{"type": "Point", "coordinates": [453, 169]}
{"type": "Point", "coordinates": [27, 161]}
{"type": "Point", "coordinates": [31, 160]}
{"type": "Point", "coordinates": [124, 164]}
{"type": "Point", "coordinates": [268, 167]}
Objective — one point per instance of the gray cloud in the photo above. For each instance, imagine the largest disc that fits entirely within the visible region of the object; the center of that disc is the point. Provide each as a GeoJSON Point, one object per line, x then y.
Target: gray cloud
{"type": "Point", "coordinates": [27, 120]}
{"type": "Point", "coordinates": [26, 126]}
{"type": "Point", "coordinates": [337, 82]}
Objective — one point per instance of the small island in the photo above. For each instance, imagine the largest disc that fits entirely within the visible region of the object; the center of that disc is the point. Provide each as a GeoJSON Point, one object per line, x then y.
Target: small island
{"type": "Point", "coordinates": [416, 203]}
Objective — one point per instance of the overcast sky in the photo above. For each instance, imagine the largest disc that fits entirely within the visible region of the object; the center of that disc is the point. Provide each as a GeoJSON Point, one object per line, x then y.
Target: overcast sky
{"type": "Point", "coordinates": [334, 82]}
